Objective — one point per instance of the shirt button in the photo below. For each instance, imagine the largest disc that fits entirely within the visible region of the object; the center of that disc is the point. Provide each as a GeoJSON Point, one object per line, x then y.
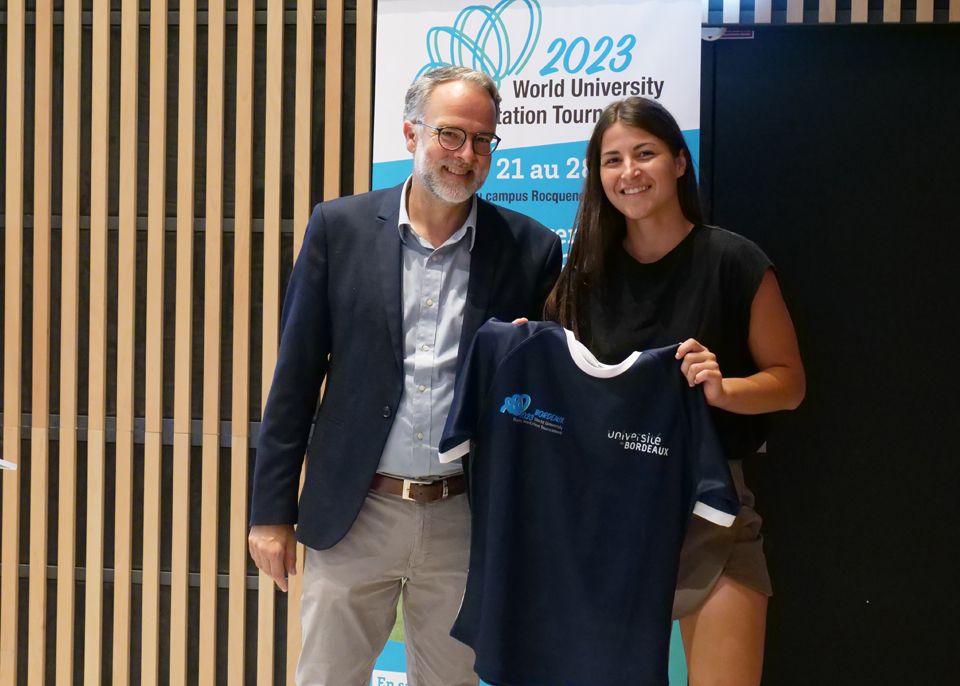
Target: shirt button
{"type": "Point", "coordinates": [434, 258]}
{"type": "Point", "coordinates": [421, 388]}
{"type": "Point", "coordinates": [419, 435]}
{"type": "Point", "coordinates": [424, 347]}
{"type": "Point", "coordinates": [429, 302]}
{"type": "Point", "coordinates": [386, 411]}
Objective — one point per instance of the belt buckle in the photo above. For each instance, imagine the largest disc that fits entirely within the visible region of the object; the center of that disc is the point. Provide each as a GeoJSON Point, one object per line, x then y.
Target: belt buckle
{"type": "Point", "coordinates": [407, 483]}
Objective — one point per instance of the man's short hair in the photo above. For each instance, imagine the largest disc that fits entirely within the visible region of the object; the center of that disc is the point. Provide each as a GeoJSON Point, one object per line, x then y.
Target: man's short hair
{"type": "Point", "coordinates": [421, 89]}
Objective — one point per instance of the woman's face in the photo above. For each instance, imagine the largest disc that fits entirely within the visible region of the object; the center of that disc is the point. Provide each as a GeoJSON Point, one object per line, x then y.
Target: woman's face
{"type": "Point", "coordinates": [639, 173]}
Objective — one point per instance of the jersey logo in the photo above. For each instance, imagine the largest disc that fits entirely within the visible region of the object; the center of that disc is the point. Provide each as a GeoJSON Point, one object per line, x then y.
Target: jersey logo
{"type": "Point", "coordinates": [516, 404]}
{"type": "Point", "coordinates": [647, 442]}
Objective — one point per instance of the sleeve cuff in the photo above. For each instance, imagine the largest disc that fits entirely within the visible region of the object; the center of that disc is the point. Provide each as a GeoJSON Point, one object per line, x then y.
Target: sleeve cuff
{"type": "Point", "coordinates": [5, 464]}
{"type": "Point", "coordinates": [456, 452]}
{"type": "Point", "coordinates": [712, 514]}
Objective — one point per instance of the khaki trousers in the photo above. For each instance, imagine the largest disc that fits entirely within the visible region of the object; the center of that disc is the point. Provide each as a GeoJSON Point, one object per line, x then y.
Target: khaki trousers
{"type": "Point", "coordinates": [350, 594]}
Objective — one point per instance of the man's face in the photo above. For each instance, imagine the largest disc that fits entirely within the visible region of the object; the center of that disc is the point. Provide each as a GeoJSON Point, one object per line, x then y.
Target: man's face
{"type": "Point", "coordinates": [452, 175]}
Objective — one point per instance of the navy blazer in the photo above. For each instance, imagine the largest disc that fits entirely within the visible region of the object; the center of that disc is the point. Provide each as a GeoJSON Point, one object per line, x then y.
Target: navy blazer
{"type": "Point", "coordinates": [342, 322]}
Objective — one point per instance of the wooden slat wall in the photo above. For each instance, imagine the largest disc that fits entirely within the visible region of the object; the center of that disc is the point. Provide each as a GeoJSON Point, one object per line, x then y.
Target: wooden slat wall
{"type": "Point", "coordinates": [213, 272]}
{"type": "Point", "coordinates": [97, 397]}
{"type": "Point", "coordinates": [332, 100]}
{"type": "Point", "coordinates": [40, 412]}
{"type": "Point", "coordinates": [69, 357]}
{"type": "Point", "coordinates": [363, 105]}
{"type": "Point", "coordinates": [111, 628]}
{"type": "Point", "coordinates": [798, 12]}
{"type": "Point", "coordinates": [794, 11]}
{"type": "Point", "coordinates": [827, 12]}
{"type": "Point", "coordinates": [12, 329]}
{"type": "Point", "coordinates": [153, 412]}
{"type": "Point", "coordinates": [858, 11]}
{"type": "Point", "coordinates": [180, 553]}
{"type": "Point", "coordinates": [891, 11]}
{"type": "Point", "coordinates": [240, 413]}
{"type": "Point", "coordinates": [126, 335]}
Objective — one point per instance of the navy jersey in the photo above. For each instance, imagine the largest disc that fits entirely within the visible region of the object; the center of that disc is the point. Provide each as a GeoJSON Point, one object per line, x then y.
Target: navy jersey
{"type": "Point", "coordinates": [582, 477]}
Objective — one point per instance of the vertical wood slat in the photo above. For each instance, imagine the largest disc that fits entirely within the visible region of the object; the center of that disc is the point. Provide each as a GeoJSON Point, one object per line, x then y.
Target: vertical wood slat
{"type": "Point", "coordinates": [859, 11]}
{"type": "Point", "coordinates": [301, 213]}
{"type": "Point", "coordinates": [273, 177]}
{"type": "Point", "coordinates": [40, 411]}
{"type": "Point", "coordinates": [69, 320]}
{"type": "Point", "coordinates": [924, 11]}
{"type": "Point", "coordinates": [303, 106]}
{"type": "Point", "coordinates": [332, 99]}
{"type": "Point", "coordinates": [153, 450]}
{"type": "Point", "coordinates": [794, 11]}
{"type": "Point", "coordinates": [12, 353]}
{"type": "Point", "coordinates": [954, 14]}
{"type": "Point", "coordinates": [97, 399]}
{"type": "Point", "coordinates": [213, 252]}
{"type": "Point", "coordinates": [891, 11]}
{"type": "Point", "coordinates": [827, 12]}
{"type": "Point", "coordinates": [126, 333]}
{"type": "Point", "coordinates": [731, 11]}
{"type": "Point", "coordinates": [183, 346]}
{"type": "Point", "coordinates": [240, 413]}
{"type": "Point", "coordinates": [364, 97]}
{"type": "Point", "coordinates": [763, 11]}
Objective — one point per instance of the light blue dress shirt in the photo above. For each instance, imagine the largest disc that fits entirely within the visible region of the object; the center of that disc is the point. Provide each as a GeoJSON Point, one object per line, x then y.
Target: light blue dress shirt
{"type": "Point", "coordinates": [434, 293]}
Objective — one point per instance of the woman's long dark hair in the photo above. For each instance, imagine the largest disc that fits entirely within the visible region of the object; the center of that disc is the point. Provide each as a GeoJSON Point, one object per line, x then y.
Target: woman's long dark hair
{"type": "Point", "coordinates": [600, 227]}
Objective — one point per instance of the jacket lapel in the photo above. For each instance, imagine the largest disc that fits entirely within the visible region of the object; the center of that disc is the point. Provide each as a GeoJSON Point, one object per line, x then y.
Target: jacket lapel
{"type": "Point", "coordinates": [388, 261]}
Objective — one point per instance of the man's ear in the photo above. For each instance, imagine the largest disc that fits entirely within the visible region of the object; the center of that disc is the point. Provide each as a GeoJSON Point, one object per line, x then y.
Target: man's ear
{"type": "Point", "coordinates": [410, 135]}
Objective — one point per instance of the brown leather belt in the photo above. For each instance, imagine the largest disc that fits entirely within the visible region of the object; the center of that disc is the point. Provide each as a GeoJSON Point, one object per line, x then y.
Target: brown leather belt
{"type": "Point", "coordinates": [419, 491]}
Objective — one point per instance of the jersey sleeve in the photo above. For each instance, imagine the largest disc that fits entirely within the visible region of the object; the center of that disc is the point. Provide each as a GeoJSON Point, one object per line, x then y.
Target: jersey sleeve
{"type": "Point", "coordinates": [716, 496]}
{"type": "Point", "coordinates": [490, 345]}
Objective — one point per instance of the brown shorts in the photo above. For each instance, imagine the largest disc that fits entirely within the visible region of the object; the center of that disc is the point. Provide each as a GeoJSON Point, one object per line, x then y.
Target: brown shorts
{"type": "Point", "coordinates": [710, 551]}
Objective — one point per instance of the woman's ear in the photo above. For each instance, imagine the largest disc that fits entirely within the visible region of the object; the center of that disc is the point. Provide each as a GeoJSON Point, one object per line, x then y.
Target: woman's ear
{"type": "Point", "coordinates": [681, 164]}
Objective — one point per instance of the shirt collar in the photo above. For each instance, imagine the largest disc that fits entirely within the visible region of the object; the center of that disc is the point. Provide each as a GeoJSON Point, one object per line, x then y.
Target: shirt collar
{"type": "Point", "coordinates": [469, 227]}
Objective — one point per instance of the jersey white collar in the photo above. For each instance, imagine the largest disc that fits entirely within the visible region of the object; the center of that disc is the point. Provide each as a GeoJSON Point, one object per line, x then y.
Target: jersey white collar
{"type": "Point", "coordinates": [585, 359]}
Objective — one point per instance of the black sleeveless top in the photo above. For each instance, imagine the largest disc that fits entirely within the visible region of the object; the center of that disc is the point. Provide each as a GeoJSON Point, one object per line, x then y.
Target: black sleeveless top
{"type": "Point", "coordinates": [701, 289]}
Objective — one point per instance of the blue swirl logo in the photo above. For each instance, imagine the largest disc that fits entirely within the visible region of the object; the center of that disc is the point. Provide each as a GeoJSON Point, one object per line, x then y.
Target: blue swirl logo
{"type": "Point", "coordinates": [516, 404]}
{"type": "Point", "coordinates": [480, 39]}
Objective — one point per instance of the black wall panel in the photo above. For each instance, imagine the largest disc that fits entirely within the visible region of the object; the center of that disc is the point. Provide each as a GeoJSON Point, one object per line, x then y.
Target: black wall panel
{"type": "Point", "coordinates": [837, 150]}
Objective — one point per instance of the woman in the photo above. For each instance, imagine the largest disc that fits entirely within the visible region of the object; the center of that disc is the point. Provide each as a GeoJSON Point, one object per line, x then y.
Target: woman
{"type": "Point", "coordinates": [644, 271]}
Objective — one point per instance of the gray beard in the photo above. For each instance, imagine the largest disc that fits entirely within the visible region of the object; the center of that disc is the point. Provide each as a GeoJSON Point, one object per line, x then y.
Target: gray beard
{"type": "Point", "coordinates": [446, 192]}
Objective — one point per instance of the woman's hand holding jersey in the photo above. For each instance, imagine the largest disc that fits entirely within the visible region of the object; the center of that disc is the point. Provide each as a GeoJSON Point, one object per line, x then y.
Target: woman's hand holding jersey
{"type": "Point", "coordinates": [780, 382]}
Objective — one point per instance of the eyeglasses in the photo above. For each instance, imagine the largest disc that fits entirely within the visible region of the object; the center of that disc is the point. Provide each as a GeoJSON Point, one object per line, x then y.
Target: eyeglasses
{"type": "Point", "coordinates": [452, 138]}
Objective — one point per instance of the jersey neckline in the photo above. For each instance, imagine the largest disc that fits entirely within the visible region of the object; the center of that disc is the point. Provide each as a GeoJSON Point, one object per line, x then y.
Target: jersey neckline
{"type": "Point", "coordinates": [589, 364]}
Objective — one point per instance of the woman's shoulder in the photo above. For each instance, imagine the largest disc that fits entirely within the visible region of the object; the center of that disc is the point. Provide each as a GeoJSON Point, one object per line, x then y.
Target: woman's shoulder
{"type": "Point", "coordinates": [725, 238]}
{"type": "Point", "coordinates": [731, 247]}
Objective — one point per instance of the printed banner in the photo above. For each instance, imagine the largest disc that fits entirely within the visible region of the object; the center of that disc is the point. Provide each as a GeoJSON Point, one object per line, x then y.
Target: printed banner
{"type": "Point", "coordinates": [557, 64]}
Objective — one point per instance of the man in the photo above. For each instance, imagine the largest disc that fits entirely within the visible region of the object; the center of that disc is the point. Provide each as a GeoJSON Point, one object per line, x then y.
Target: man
{"type": "Point", "coordinates": [384, 299]}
